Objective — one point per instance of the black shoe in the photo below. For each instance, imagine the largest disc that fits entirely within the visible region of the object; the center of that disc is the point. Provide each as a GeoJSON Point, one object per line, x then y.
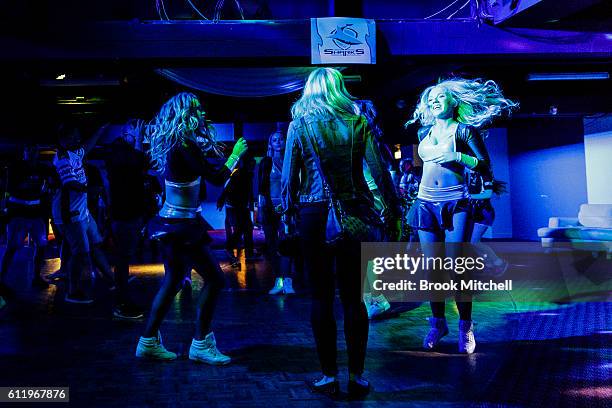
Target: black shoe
{"type": "Point", "coordinates": [39, 282]}
{"type": "Point", "coordinates": [78, 297]}
{"type": "Point", "coordinates": [331, 389]}
{"type": "Point", "coordinates": [357, 391]}
{"type": "Point", "coordinates": [128, 311]}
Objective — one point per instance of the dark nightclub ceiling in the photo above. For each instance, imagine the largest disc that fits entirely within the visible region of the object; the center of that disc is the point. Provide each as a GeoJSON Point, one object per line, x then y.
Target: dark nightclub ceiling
{"type": "Point", "coordinates": [100, 60]}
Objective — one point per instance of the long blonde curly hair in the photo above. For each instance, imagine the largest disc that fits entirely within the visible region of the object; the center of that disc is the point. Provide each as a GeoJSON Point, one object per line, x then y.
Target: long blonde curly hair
{"type": "Point", "coordinates": [175, 123]}
{"type": "Point", "coordinates": [325, 95]}
{"type": "Point", "coordinates": [478, 102]}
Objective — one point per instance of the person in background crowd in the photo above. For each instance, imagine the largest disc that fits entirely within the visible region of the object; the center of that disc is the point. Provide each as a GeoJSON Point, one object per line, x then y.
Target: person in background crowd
{"type": "Point", "coordinates": [126, 166]}
{"type": "Point", "coordinates": [26, 187]}
{"type": "Point", "coordinates": [410, 178]}
{"type": "Point", "coordinates": [408, 190]}
{"type": "Point", "coordinates": [481, 192]}
{"type": "Point", "coordinates": [237, 197]}
{"type": "Point", "coordinates": [71, 214]}
{"type": "Point", "coordinates": [60, 242]}
{"type": "Point", "coordinates": [270, 171]}
{"type": "Point", "coordinates": [177, 155]}
{"type": "Point", "coordinates": [375, 301]}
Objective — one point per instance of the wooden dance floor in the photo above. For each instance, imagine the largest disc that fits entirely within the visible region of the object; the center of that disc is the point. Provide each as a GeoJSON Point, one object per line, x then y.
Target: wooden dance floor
{"type": "Point", "coordinates": [527, 354]}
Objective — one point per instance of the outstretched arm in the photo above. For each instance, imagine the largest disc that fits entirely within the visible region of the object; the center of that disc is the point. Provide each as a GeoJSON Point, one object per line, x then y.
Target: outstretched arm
{"type": "Point", "coordinates": [195, 159]}
{"type": "Point", "coordinates": [91, 143]}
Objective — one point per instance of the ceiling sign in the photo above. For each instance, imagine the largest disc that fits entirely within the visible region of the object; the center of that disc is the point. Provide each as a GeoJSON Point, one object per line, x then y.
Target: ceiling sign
{"type": "Point", "coordinates": [342, 40]}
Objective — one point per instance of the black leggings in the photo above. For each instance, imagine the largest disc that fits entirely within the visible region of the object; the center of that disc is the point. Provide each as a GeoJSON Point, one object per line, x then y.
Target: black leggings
{"type": "Point", "coordinates": [281, 265]}
{"type": "Point", "coordinates": [319, 263]}
{"type": "Point", "coordinates": [238, 224]}
{"type": "Point", "coordinates": [179, 258]}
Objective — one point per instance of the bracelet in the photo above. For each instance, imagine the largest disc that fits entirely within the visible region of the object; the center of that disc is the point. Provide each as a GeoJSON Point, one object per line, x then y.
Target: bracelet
{"type": "Point", "coordinates": [467, 160]}
{"type": "Point", "coordinates": [232, 161]}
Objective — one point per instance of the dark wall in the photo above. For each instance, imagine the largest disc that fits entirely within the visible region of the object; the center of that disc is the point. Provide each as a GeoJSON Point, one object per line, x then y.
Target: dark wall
{"type": "Point", "coordinates": [547, 172]}
{"type": "Point", "coordinates": [497, 146]}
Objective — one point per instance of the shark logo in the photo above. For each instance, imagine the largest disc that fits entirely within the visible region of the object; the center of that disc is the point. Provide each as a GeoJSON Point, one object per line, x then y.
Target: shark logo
{"type": "Point", "coordinates": [343, 40]}
{"type": "Point", "coordinates": [344, 37]}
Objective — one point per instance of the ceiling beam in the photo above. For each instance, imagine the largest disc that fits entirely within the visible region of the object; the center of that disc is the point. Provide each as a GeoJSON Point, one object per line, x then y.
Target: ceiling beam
{"type": "Point", "coordinates": [532, 12]}
{"type": "Point", "coordinates": [287, 42]}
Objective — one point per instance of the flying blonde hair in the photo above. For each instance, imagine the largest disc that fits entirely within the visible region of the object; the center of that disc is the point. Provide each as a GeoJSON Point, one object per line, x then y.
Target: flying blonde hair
{"type": "Point", "coordinates": [478, 102]}
{"type": "Point", "coordinates": [174, 124]}
{"type": "Point", "coordinates": [325, 96]}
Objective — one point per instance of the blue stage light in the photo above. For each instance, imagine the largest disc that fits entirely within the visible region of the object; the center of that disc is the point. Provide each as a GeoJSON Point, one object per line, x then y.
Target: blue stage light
{"type": "Point", "coordinates": [569, 76]}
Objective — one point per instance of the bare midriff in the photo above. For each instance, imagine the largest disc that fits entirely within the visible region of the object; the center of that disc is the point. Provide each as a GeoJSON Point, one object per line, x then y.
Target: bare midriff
{"type": "Point", "coordinates": [437, 175]}
{"type": "Point", "coordinates": [442, 175]}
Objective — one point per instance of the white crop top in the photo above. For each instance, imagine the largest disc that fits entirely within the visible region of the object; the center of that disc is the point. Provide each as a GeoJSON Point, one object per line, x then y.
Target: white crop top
{"type": "Point", "coordinates": [428, 151]}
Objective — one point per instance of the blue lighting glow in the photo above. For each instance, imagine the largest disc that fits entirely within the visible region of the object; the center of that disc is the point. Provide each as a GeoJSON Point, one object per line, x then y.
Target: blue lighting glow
{"type": "Point", "coordinates": [569, 76]}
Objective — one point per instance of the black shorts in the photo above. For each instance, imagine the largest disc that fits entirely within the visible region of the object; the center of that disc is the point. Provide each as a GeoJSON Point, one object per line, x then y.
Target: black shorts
{"type": "Point", "coordinates": [482, 212]}
{"type": "Point", "coordinates": [185, 230]}
{"type": "Point", "coordinates": [435, 216]}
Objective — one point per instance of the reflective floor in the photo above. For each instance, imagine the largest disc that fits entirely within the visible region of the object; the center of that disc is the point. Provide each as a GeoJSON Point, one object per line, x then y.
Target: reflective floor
{"type": "Point", "coordinates": [536, 354]}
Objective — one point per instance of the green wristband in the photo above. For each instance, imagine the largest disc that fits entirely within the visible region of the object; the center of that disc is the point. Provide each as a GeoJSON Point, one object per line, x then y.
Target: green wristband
{"type": "Point", "coordinates": [232, 161]}
{"type": "Point", "coordinates": [468, 161]}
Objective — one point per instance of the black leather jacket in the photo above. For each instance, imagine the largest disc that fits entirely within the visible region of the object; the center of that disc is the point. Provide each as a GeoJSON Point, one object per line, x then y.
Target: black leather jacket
{"type": "Point", "coordinates": [342, 145]}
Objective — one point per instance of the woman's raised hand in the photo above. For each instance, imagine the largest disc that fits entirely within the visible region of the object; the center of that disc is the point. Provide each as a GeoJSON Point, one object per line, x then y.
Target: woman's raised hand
{"type": "Point", "coordinates": [240, 147]}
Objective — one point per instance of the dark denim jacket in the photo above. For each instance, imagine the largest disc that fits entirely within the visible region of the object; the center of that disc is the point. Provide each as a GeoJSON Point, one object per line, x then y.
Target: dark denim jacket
{"type": "Point", "coordinates": [343, 144]}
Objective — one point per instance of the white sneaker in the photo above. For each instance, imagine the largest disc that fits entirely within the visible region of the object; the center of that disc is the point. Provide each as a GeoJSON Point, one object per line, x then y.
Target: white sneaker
{"type": "Point", "coordinates": [467, 342]}
{"type": "Point", "coordinates": [152, 348]}
{"type": "Point", "coordinates": [377, 306]}
{"type": "Point", "coordinates": [278, 287]}
{"type": "Point", "coordinates": [206, 351]}
{"type": "Point", "coordinates": [439, 329]}
{"type": "Point", "coordinates": [288, 286]}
